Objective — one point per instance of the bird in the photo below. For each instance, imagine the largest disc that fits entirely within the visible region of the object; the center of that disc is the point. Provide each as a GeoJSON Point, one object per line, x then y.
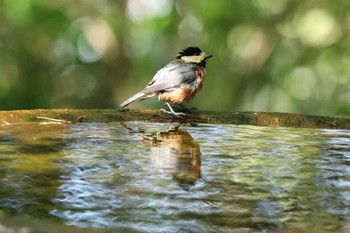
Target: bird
{"type": "Point", "coordinates": [178, 81]}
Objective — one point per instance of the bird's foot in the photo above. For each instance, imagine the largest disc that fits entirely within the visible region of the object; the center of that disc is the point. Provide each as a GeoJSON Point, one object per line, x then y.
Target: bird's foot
{"type": "Point", "coordinates": [174, 127]}
{"type": "Point", "coordinates": [173, 112]}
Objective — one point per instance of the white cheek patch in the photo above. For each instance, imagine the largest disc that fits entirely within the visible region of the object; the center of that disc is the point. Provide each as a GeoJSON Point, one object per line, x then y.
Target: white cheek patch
{"type": "Point", "coordinates": [196, 59]}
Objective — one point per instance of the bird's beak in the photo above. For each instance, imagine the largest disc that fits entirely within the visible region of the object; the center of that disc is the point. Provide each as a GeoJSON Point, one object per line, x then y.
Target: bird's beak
{"type": "Point", "coordinates": [207, 56]}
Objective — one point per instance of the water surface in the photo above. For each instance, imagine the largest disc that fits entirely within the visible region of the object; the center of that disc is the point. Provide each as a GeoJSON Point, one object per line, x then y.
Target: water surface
{"type": "Point", "coordinates": [138, 177]}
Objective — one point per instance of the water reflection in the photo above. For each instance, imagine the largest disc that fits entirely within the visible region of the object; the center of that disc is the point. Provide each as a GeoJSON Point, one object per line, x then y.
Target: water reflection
{"type": "Point", "coordinates": [211, 178]}
{"type": "Point", "coordinates": [177, 153]}
{"type": "Point", "coordinates": [30, 161]}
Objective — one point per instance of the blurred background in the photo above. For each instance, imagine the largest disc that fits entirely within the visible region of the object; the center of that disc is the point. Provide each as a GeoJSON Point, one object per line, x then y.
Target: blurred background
{"type": "Point", "coordinates": [285, 56]}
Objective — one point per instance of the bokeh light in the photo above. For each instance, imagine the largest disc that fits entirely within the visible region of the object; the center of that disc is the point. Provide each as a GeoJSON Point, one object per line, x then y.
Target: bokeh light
{"type": "Point", "coordinates": [317, 27]}
{"type": "Point", "coordinates": [286, 56]}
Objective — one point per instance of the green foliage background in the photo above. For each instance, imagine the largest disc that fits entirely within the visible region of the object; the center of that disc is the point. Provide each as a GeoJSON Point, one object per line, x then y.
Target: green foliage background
{"type": "Point", "coordinates": [286, 56]}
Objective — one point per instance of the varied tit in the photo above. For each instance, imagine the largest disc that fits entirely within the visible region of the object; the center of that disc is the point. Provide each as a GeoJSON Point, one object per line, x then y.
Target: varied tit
{"type": "Point", "coordinates": [178, 81]}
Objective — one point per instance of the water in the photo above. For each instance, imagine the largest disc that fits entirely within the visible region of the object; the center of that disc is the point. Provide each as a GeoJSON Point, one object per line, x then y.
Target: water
{"type": "Point", "coordinates": [137, 177]}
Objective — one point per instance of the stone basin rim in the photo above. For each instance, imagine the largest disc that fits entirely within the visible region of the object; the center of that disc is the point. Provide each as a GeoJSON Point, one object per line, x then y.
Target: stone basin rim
{"type": "Point", "coordinates": [274, 119]}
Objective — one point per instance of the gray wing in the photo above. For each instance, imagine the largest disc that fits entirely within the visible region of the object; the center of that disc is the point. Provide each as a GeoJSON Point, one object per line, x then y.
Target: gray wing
{"type": "Point", "coordinates": [171, 76]}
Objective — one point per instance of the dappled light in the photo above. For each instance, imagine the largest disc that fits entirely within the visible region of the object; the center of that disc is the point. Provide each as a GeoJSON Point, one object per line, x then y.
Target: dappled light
{"type": "Point", "coordinates": [141, 10]}
{"type": "Point", "coordinates": [256, 140]}
{"type": "Point", "coordinates": [300, 83]}
{"type": "Point", "coordinates": [137, 176]}
{"type": "Point", "coordinates": [268, 56]}
{"type": "Point", "coordinates": [317, 28]}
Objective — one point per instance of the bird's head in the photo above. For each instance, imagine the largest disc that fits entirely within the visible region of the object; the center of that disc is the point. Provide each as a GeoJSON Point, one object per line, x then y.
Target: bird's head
{"type": "Point", "coordinates": [193, 55]}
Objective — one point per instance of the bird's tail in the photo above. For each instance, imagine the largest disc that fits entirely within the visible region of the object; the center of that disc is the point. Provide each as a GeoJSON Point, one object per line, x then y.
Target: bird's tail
{"type": "Point", "coordinates": [138, 95]}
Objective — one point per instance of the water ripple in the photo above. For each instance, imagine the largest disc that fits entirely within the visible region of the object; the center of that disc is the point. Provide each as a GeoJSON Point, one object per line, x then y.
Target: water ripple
{"type": "Point", "coordinates": [212, 178]}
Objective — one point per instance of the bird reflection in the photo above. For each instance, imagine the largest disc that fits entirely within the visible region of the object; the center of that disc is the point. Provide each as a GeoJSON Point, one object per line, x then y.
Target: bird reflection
{"type": "Point", "coordinates": [177, 153]}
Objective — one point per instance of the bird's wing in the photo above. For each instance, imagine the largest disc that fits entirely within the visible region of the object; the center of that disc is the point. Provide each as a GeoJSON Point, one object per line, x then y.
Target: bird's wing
{"type": "Point", "coordinates": [171, 76]}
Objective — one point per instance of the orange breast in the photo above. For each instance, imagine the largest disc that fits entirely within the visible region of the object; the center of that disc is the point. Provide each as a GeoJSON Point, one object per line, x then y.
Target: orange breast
{"type": "Point", "coordinates": [178, 95]}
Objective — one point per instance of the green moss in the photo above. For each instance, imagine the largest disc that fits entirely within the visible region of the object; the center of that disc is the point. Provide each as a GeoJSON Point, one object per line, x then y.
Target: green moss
{"type": "Point", "coordinates": [109, 115]}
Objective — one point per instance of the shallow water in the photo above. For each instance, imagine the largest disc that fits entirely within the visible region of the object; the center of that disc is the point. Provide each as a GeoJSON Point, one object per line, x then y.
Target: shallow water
{"type": "Point", "coordinates": [137, 177]}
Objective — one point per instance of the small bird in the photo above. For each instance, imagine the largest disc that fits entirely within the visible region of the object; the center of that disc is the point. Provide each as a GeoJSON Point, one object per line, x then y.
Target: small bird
{"type": "Point", "coordinates": [178, 81]}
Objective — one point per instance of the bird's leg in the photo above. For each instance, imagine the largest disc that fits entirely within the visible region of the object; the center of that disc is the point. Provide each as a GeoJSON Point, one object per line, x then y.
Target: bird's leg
{"type": "Point", "coordinates": [174, 127]}
{"type": "Point", "coordinates": [172, 111]}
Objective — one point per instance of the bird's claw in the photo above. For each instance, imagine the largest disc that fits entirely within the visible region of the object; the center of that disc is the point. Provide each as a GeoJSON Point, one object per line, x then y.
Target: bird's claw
{"type": "Point", "coordinates": [173, 113]}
